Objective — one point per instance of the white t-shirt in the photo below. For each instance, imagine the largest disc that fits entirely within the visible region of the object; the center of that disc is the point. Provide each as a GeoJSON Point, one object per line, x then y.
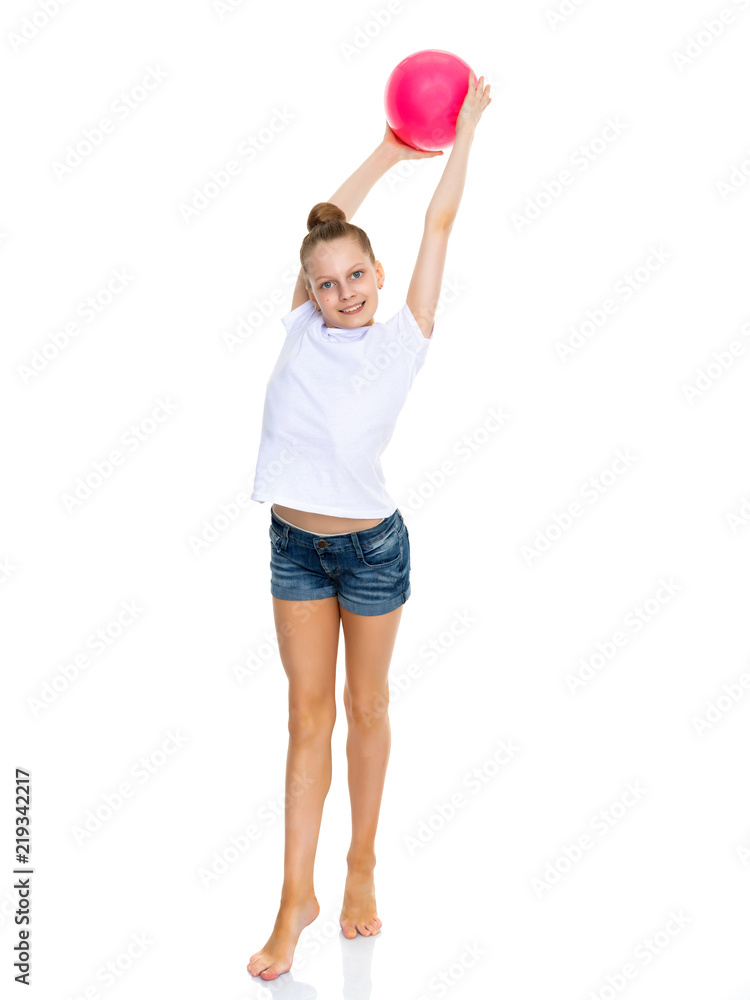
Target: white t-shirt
{"type": "Point", "coordinates": [331, 405]}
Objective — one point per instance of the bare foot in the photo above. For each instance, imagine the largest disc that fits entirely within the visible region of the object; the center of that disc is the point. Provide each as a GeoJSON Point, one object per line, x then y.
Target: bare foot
{"type": "Point", "coordinates": [359, 912]}
{"type": "Point", "coordinates": [275, 957]}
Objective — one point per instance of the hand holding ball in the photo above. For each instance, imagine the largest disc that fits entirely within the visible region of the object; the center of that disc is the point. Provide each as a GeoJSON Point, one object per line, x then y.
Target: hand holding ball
{"type": "Point", "coordinates": [423, 96]}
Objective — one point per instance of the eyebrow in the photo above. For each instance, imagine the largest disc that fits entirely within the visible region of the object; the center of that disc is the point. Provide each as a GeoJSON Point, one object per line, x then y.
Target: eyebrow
{"type": "Point", "coordinates": [353, 267]}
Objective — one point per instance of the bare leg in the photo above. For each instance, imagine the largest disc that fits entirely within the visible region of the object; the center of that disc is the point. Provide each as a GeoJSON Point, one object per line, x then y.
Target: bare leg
{"type": "Point", "coordinates": [308, 634]}
{"type": "Point", "coordinates": [369, 643]}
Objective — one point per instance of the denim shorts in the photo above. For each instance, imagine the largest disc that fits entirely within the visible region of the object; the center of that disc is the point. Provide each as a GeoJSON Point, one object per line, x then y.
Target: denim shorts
{"type": "Point", "coordinates": [368, 571]}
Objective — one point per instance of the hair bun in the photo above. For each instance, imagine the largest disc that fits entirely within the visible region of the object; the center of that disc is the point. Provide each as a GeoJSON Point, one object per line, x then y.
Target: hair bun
{"type": "Point", "coordinates": [324, 211]}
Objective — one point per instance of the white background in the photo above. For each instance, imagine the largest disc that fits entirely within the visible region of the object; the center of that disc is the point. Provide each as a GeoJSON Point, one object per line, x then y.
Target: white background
{"type": "Point", "coordinates": [199, 657]}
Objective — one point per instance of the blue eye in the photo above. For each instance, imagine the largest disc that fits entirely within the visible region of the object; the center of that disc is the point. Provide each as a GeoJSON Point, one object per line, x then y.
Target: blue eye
{"type": "Point", "coordinates": [323, 285]}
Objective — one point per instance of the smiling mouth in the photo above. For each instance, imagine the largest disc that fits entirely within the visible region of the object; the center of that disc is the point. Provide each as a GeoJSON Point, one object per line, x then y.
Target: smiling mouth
{"type": "Point", "coordinates": [354, 309]}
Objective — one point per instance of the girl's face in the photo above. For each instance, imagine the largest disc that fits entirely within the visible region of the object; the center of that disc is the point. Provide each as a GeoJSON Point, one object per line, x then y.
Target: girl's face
{"type": "Point", "coordinates": [342, 276]}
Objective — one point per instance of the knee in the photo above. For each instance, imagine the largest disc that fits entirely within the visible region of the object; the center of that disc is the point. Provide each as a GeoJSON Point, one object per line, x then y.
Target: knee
{"type": "Point", "coordinates": [367, 711]}
{"type": "Point", "coordinates": [312, 721]}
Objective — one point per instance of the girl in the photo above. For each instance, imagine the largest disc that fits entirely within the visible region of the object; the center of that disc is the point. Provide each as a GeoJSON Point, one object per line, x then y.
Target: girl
{"type": "Point", "coordinates": [339, 545]}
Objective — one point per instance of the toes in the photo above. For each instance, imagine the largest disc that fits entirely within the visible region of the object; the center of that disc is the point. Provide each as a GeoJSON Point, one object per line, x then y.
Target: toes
{"type": "Point", "coordinates": [363, 927]}
{"type": "Point", "coordinates": [270, 973]}
{"type": "Point", "coordinates": [263, 967]}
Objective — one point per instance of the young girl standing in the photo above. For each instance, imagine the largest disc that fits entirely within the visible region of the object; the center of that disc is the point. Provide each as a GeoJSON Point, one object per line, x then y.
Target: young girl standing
{"type": "Point", "coordinates": [339, 545]}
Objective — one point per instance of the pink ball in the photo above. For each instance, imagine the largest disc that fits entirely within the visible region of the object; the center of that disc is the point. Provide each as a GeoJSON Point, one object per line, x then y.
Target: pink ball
{"type": "Point", "coordinates": [423, 96]}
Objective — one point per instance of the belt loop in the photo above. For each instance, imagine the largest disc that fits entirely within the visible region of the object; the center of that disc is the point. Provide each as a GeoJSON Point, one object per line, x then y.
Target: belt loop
{"type": "Point", "coordinates": [282, 530]}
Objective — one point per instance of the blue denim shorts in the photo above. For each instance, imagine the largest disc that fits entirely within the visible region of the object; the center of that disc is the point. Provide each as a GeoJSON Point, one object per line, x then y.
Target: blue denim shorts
{"type": "Point", "coordinates": [368, 571]}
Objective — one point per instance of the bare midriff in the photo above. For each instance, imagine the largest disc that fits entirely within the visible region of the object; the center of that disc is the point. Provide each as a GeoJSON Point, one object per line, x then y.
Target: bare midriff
{"type": "Point", "coordinates": [324, 523]}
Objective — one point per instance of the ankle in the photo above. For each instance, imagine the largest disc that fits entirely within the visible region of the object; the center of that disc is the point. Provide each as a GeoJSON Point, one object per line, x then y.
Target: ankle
{"type": "Point", "coordinates": [296, 895]}
{"type": "Point", "coordinates": [360, 861]}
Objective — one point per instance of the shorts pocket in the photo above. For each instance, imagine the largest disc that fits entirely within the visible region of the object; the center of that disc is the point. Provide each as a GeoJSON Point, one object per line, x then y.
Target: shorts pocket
{"type": "Point", "coordinates": [274, 536]}
{"type": "Point", "coordinates": [383, 551]}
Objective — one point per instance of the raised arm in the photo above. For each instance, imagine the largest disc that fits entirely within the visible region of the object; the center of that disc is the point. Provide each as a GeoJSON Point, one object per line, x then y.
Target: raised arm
{"type": "Point", "coordinates": [427, 279]}
{"type": "Point", "coordinates": [355, 188]}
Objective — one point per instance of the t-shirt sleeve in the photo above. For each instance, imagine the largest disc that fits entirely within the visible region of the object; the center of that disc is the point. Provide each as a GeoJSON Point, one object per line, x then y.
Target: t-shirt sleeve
{"type": "Point", "coordinates": [410, 332]}
{"type": "Point", "coordinates": [299, 318]}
